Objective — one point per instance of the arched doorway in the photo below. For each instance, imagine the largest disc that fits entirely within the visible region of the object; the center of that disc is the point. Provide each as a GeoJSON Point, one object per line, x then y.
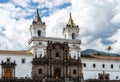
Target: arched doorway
{"type": "Point", "coordinates": [8, 74]}
{"type": "Point", "coordinates": [57, 73]}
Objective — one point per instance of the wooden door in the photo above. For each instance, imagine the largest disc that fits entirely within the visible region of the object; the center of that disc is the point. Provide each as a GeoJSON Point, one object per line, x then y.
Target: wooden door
{"type": "Point", "coordinates": [8, 74]}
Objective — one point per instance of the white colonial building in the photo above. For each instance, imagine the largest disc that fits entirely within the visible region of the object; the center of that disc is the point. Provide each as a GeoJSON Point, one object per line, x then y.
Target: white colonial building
{"type": "Point", "coordinates": [94, 65]}
{"type": "Point", "coordinates": [19, 63]}
{"type": "Point", "coordinates": [22, 60]}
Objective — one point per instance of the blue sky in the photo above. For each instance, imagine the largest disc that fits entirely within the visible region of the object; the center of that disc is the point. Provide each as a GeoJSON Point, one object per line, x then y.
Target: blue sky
{"type": "Point", "coordinates": [98, 20]}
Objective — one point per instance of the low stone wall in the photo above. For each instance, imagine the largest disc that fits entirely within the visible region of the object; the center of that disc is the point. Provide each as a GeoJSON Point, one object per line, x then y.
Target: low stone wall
{"type": "Point", "coordinates": [36, 80]}
{"type": "Point", "coordinates": [19, 80]}
{"type": "Point", "coordinates": [95, 80]}
{"type": "Point", "coordinates": [30, 80]}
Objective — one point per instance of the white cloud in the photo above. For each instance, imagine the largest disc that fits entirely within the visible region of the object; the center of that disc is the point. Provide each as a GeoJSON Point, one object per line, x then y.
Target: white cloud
{"type": "Point", "coordinates": [116, 18]}
{"type": "Point", "coordinates": [14, 32]}
{"type": "Point", "coordinates": [94, 19]}
{"type": "Point", "coordinates": [56, 22]}
{"type": "Point", "coordinates": [116, 40]}
{"type": "Point", "coordinates": [14, 27]}
{"type": "Point", "coordinates": [22, 3]}
{"type": "Point", "coordinates": [99, 22]}
{"type": "Point", "coordinates": [50, 3]}
{"type": "Point", "coordinates": [95, 44]}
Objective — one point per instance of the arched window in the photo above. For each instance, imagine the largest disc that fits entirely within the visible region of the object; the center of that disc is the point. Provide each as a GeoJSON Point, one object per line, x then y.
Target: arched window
{"type": "Point", "coordinates": [73, 35]}
{"type": "Point", "coordinates": [39, 32]}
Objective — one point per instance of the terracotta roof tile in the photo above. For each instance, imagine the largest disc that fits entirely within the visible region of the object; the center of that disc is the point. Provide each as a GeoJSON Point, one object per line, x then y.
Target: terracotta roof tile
{"type": "Point", "coordinates": [104, 57]}
{"type": "Point", "coordinates": [15, 52]}
{"type": "Point", "coordinates": [108, 57]}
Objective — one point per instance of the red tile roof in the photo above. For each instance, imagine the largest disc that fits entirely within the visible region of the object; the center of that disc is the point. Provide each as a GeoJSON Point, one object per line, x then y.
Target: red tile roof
{"type": "Point", "coordinates": [15, 52]}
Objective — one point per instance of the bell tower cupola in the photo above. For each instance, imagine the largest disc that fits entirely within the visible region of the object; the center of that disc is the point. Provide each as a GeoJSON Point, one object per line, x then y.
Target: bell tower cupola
{"type": "Point", "coordinates": [71, 31]}
{"type": "Point", "coordinates": [38, 28]}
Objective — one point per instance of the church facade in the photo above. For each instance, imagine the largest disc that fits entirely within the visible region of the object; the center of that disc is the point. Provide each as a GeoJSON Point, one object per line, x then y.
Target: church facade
{"type": "Point", "coordinates": [56, 61]}
{"type": "Point", "coordinates": [46, 56]}
{"type": "Point", "coordinates": [49, 57]}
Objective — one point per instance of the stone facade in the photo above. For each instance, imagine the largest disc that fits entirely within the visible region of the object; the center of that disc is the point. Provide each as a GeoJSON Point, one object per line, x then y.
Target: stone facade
{"type": "Point", "coordinates": [57, 63]}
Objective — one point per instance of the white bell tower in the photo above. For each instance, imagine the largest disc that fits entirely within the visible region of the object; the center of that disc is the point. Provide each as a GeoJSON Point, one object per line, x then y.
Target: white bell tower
{"type": "Point", "coordinates": [37, 30]}
{"type": "Point", "coordinates": [71, 31]}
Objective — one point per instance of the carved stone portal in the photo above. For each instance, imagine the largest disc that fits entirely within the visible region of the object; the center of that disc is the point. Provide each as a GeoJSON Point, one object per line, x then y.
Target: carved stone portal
{"type": "Point", "coordinates": [8, 69]}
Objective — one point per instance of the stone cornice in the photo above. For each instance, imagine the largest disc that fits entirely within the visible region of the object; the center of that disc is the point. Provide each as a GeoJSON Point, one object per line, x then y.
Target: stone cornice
{"type": "Point", "coordinates": [71, 41]}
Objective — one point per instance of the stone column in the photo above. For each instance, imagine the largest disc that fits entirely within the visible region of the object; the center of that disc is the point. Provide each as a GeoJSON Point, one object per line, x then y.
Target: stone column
{"type": "Point", "coordinates": [2, 71]}
{"type": "Point", "coordinates": [50, 71]}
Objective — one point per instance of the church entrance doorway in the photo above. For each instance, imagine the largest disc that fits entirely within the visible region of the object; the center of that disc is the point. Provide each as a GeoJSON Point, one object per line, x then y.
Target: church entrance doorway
{"type": "Point", "coordinates": [8, 69]}
{"type": "Point", "coordinates": [57, 73]}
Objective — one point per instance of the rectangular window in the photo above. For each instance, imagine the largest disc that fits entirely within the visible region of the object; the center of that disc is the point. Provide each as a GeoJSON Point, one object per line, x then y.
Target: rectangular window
{"type": "Point", "coordinates": [112, 66]}
{"type": "Point", "coordinates": [74, 71]}
{"type": "Point", "coordinates": [94, 65]}
{"type": "Point", "coordinates": [57, 54]}
{"type": "Point", "coordinates": [103, 65]}
{"type": "Point", "coordinates": [23, 60]}
{"type": "Point", "coordinates": [84, 64]}
{"type": "Point", "coordinates": [8, 59]}
{"type": "Point", "coordinates": [40, 71]}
